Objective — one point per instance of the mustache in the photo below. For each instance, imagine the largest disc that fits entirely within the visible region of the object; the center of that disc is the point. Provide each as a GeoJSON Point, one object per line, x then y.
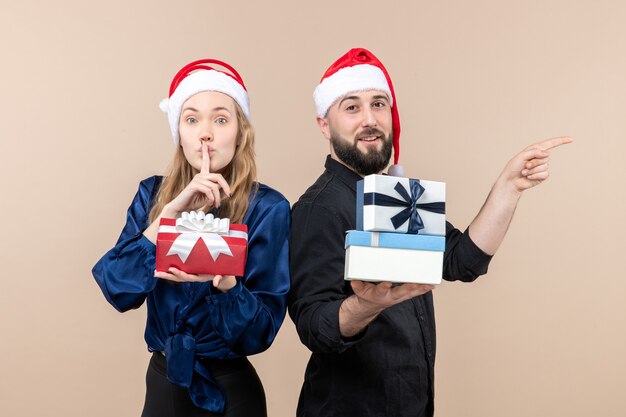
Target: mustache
{"type": "Point", "coordinates": [370, 131]}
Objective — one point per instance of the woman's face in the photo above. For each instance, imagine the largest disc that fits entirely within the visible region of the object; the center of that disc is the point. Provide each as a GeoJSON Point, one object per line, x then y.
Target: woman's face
{"type": "Point", "coordinates": [209, 116]}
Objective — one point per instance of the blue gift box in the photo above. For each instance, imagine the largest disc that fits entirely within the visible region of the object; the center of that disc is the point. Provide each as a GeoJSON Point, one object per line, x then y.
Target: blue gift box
{"type": "Point", "coordinates": [379, 256]}
{"type": "Point", "coordinates": [395, 240]}
{"type": "Point", "coordinates": [401, 205]}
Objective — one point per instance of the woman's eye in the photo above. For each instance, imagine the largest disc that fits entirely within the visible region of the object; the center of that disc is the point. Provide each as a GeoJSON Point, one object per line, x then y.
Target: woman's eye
{"type": "Point", "coordinates": [191, 120]}
{"type": "Point", "coordinates": [221, 120]}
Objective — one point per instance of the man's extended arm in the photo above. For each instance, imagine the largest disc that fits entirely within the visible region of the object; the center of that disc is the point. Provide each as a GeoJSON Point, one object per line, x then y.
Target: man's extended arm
{"type": "Point", "coordinates": [526, 170]}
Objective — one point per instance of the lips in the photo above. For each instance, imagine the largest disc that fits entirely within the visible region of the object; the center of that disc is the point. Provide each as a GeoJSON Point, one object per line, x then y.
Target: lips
{"type": "Point", "coordinates": [211, 151]}
{"type": "Point", "coordinates": [370, 135]}
{"type": "Point", "coordinates": [369, 138]}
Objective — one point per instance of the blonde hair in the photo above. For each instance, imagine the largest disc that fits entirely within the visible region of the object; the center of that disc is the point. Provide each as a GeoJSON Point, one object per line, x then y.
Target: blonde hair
{"type": "Point", "coordinates": [240, 174]}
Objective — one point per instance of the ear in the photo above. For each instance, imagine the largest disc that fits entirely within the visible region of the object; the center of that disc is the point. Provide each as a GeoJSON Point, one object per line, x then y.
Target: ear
{"type": "Point", "coordinates": [324, 127]}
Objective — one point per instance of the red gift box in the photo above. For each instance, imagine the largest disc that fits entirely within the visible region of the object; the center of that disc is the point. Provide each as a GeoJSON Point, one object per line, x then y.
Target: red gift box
{"type": "Point", "coordinates": [199, 252]}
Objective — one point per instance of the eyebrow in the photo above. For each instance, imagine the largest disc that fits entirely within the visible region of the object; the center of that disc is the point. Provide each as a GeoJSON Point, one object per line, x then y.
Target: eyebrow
{"type": "Point", "coordinates": [214, 109]}
{"type": "Point", "coordinates": [376, 97]}
{"type": "Point", "coordinates": [348, 98]}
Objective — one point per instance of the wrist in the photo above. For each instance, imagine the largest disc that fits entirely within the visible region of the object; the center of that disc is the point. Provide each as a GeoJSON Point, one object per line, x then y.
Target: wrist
{"type": "Point", "coordinates": [362, 308]}
{"type": "Point", "coordinates": [355, 315]}
{"type": "Point", "coordinates": [227, 283]}
{"type": "Point", "coordinates": [169, 211]}
{"type": "Point", "coordinates": [507, 189]}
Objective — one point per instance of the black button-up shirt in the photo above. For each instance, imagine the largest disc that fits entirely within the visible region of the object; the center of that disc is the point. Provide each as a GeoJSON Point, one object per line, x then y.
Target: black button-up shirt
{"type": "Point", "coordinates": [388, 369]}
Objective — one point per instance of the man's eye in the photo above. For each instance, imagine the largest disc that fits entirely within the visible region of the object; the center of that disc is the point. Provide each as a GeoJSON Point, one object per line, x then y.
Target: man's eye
{"type": "Point", "coordinates": [379, 104]}
{"type": "Point", "coordinates": [351, 108]}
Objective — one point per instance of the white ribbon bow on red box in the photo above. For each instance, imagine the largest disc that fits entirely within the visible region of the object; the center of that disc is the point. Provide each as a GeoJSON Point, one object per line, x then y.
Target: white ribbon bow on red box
{"type": "Point", "coordinates": [194, 226]}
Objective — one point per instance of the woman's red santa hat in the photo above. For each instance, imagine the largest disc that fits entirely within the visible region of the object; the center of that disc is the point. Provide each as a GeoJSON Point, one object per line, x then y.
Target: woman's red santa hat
{"type": "Point", "coordinates": [359, 70]}
{"type": "Point", "coordinates": [197, 77]}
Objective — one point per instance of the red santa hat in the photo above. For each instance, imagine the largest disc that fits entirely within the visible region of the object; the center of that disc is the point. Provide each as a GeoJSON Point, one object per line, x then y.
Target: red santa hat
{"type": "Point", "coordinates": [357, 70]}
{"type": "Point", "coordinates": [197, 77]}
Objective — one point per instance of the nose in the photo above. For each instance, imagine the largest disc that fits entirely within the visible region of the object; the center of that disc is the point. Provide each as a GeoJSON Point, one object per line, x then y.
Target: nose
{"type": "Point", "coordinates": [369, 118]}
{"type": "Point", "coordinates": [206, 135]}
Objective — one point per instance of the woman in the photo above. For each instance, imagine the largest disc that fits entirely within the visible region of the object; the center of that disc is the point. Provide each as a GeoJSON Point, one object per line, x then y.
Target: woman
{"type": "Point", "coordinates": [200, 328]}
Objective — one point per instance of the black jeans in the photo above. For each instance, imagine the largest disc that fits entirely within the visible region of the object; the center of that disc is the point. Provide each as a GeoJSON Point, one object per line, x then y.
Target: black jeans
{"type": "Point", "coordinates": [236, 378]}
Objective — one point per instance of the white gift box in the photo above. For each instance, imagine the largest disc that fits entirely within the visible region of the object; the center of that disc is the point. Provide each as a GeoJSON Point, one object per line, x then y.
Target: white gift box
{"type": "Point", "coordinates": [405, 258]}
{"type": "Point", "coordinates": [401, 205]}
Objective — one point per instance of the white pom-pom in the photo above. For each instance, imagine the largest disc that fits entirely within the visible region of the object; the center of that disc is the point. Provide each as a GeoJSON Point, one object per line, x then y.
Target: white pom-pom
{"type": "Point", "coordinates": [396, 171]}
{"type": "Point", "coordinates": [164, 105]}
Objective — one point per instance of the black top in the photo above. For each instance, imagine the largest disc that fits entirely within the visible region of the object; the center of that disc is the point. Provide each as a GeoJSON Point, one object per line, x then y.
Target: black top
{"type": "Point", "coordinates": [388, 369]}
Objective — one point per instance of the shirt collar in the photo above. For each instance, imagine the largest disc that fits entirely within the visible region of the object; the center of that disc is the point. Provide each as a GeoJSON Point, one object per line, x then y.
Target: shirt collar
{"type": "Point", "coordinates": [342, 172]}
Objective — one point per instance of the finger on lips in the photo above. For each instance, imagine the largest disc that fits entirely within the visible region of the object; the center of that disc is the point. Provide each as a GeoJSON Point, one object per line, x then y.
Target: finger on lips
{"type": "Point", "coordinates": [206, 159]}
{"type": "Point", "coordinates": [206, 170]}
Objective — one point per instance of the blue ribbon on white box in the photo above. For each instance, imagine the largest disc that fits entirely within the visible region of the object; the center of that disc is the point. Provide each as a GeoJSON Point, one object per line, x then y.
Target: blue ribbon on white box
{"type": "Point", "coordinates": [410, 204]}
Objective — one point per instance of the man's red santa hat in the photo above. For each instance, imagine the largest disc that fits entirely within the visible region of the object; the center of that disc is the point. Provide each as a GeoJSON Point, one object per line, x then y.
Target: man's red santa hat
{"type": "Point", "coordinates": [358, 70]}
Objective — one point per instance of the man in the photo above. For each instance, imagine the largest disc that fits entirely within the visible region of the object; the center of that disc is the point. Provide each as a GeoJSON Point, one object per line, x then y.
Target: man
{"type": "Point", "coordinates": [373, 345]}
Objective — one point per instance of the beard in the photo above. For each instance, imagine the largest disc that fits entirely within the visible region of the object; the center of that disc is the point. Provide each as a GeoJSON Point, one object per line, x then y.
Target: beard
{"type": "Point", "coordinates": [371, 162]}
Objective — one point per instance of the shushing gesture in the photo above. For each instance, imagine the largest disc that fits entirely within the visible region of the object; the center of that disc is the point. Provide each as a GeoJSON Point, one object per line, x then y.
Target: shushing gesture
{"type": "Point", "coordinates": [531, 166]}
{"type": "Point", "coordinates": [202, 191]}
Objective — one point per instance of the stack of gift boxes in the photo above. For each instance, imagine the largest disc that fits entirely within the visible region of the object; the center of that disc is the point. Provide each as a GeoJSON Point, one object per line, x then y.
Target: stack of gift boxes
{"type": "Point", "coordinates": [401, 228]}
